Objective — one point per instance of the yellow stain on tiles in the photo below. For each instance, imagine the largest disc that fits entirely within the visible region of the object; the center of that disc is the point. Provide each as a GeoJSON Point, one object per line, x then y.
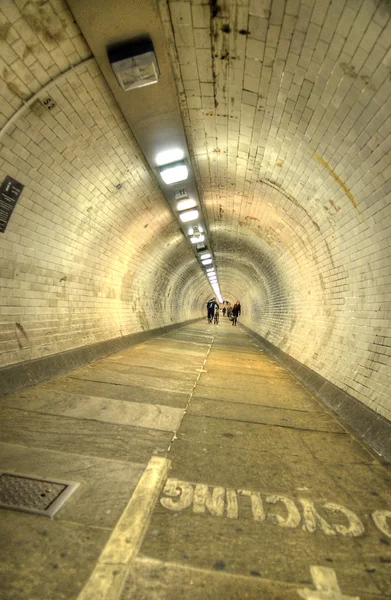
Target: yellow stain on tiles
{"type": "Point", "coordinates": [333, 174]}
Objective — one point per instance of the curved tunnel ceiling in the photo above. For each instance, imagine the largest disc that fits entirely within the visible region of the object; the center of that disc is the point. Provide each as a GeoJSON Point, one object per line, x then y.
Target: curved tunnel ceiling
{"type": "Point", "coordinates": [286, 110]}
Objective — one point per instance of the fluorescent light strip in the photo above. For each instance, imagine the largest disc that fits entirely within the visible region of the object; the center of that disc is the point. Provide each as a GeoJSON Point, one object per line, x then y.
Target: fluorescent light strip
{"type": "Point", "coordinates": [185, 204]}
{"type": "Point", "coordinates": [169, 156]}
{"type": "Point", "coordinates": [195, 240]}
{"type": "Point", "coordinates": [189, 215]}
{"type": "Point", "coordinates": [174, 172]}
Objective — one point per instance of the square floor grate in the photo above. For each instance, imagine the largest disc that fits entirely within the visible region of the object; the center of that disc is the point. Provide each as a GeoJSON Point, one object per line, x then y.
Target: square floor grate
{"type": "Point", "coordinates": [38, 496]}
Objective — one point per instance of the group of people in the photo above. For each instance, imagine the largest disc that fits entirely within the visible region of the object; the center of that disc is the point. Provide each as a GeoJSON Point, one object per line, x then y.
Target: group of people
{"type": "Point", "coordinates": [232, 312]}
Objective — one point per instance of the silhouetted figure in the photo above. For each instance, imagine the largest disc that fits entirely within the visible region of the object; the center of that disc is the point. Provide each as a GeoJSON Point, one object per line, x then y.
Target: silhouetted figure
{"type": "Point", "coordinates": [224, 311]}
{"type": "Point", "coordinates": [211, 305]}
{"type": "Point", "coordinates": [236, 312]}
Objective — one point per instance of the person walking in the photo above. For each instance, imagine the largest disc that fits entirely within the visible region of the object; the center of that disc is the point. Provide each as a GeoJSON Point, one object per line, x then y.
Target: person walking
{"type": "Point", "coordinates": [210, 306]}
{"type": "Point", "coordinates": [224, 311]}
{"type": "Point", "coordinates": [236, 312]}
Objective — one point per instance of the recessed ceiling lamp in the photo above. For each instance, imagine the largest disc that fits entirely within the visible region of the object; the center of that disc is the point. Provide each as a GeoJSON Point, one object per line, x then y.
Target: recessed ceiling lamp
{"type": "Point", "coordinates": [207, 261]}
{"type": "Point", "coordinates": [134, 63]}
{"type": "Point", "coordinates": [189, 215]}
{"type": "Point", "coordinates": [169, 156]}
{"type": "Point", "coordinates": [205, 255]}
{"type": "Point", "coordinates": [195, 240]}
{"type": "Point", "coordinates": [195, 230]}
{"type": "Point", "coordinates": [210, 270]}
{"type": "Point", "coordinates": [185, 204]}
{"type": "Point", "coordinates": [174, 172]}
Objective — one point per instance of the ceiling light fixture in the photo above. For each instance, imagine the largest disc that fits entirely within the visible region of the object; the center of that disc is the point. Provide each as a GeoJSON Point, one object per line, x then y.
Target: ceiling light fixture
{"type": "Point", "coordinates": [169, 156]}
{"type": "Point", "coordinates": [195, 240]}
{"type": "Point", "coordinates": [189, 215]}
{"type": "Point", "coordinates": [134, 63]}
{"type": "Point", "coordinates": [210, 270]}
{"type": "Point", "coordinates": [205, 255]}
{"type": "Point", "coordinates": [207, 261]}
{"type": "Point", "coordinates": [185, 204]}
{"type": "Point", "coordinates": [195, 230]}
{"type": "Point", "coordinates": [174, 172]}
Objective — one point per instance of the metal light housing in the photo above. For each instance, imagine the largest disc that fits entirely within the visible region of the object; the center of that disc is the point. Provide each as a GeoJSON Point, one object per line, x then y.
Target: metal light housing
{"type": "Point", "coordinates": [134, 63]}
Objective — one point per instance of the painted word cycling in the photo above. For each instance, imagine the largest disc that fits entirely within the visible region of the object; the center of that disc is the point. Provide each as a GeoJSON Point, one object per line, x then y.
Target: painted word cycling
{"type": "Point", "coordinates": [220, 502]}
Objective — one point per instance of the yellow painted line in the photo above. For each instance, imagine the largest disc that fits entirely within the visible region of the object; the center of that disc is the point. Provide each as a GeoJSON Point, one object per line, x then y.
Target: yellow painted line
{"type": "Point", "coordinates": [108, 578]}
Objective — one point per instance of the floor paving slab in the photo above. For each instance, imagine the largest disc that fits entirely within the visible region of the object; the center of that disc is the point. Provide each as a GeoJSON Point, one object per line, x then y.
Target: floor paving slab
{"type": "Point", "coordinates": [244, 546]}
{"type": "Point", "coordinates": [54, 402]}
{"type": "Point", "coordinates": [249, 366]}
{"type": "Point", "coordinates": [155, 358]}
{"type": "Point", "coordinates": [268, 393]}
{"type": "Point", "coordinates": [158, 580]}
{"type": "Point", "coordinates": [174, 347]}
{"type": "Point", "coordinates": [45, 559]}
{"type": "Point", "coordinates": [192, 339]}
{"type": "Point", "coordinates": [267, 471]}
{"type": "Point", "coordinates": [369, 486]}
{"type": "Point", "coordinates": [244, 381]}
{"type": "Point", "coordinates": [267, 415]}
{"type": "Point", "coordinates": [137, 371]}
{"type": "Point", "coordinates": [109, 376]}
{"type": "Point", "coordinates": [281, 440]}
{"type": "Point", "coordinates": [104, 485]}
{"type": "Point", "coordinates": [131, 393]}
{"type": "Point", "coordinates": [92, 438]}
{"type": "Point", "coordinates": [219, 356]}
{"type": "Point", "coordinates": [235, 349]}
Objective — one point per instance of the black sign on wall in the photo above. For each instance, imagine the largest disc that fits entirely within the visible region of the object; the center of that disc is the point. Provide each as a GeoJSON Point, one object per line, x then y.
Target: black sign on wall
{"type": "Point", "coordinates": [9, 195]}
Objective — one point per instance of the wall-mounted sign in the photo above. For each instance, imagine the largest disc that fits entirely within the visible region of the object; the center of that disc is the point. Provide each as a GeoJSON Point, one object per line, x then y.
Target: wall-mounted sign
{"type": "Point", "coordinates": [49, 103]}
{"type": "Point", "coordinates": [9, 195]}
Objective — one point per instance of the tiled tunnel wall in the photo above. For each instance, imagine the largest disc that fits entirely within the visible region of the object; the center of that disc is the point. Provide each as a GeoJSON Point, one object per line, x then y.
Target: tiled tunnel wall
{"type": "Point", "coordinates": [92, 251]}
{"type": "Point", "coordinates": [287, 111]}
{"type": "Point", "coordinates": [286, 107]}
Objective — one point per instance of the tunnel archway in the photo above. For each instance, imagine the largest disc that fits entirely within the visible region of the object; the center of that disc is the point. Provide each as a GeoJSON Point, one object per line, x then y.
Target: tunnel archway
{"type": "Point", "coordinates": [287, 122]}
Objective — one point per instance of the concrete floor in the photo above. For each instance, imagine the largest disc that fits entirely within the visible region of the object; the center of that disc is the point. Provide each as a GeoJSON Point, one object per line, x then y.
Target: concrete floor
{"type": "Point", "coordinates": [268, 495]}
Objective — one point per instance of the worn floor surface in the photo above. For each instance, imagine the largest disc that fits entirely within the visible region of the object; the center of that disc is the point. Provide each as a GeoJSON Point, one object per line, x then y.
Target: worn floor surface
{"type": "Point", "coordinates": [269, 497]}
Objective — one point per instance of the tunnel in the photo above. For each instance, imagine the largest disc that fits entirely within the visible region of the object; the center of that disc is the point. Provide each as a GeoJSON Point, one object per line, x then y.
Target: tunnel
{"type": "Point", "coordinates": [280, 110]}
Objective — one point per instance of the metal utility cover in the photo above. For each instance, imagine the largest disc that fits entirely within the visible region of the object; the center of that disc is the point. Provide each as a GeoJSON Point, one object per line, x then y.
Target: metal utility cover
{"type": "Point", "coordinates": [37, 496]}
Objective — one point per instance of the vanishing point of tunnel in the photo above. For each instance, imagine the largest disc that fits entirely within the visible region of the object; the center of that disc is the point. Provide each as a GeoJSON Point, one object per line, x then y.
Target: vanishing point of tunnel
{"type": "Point", "coordinates": [162, 161]}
